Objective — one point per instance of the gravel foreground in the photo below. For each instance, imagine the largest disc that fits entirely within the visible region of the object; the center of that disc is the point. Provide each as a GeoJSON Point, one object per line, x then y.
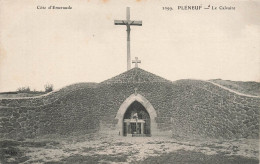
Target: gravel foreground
{"type": "Point", "coordinates": [110, 149]}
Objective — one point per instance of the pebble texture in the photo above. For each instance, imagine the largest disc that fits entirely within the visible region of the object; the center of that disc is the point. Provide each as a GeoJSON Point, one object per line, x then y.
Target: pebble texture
{"type": "Point", "coordinates": [186, 108]}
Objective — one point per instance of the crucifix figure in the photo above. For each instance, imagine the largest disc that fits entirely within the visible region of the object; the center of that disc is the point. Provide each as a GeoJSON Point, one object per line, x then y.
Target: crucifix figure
{"type": "Point", "coordinates": [136, 61]}
{"type": "Point", "coordinates": [128, 23]}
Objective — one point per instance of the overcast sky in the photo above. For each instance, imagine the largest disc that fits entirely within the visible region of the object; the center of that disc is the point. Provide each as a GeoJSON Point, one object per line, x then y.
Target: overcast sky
{"type": "Point", "coordinates": [63, 47]}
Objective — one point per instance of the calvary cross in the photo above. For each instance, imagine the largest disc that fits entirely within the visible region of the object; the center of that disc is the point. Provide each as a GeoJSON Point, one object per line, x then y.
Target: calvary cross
{"type": "Point", "coordinates": [128, 23]}
{"type": "Point", "coordinates": [136, 61]}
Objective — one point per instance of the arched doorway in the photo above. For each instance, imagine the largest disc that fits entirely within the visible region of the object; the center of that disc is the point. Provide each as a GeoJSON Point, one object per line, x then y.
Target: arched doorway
{"type": "Point", "coordinates": [136, 121]}
{"type": "Point", "coordinates": [128, 105]}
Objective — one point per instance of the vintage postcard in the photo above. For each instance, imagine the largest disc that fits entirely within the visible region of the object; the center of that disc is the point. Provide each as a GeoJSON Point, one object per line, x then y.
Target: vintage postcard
{"type": "Point", "coordinates": [129, 81]}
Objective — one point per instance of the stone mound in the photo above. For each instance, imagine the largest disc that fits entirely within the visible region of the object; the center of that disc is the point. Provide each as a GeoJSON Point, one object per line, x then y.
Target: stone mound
{"type": "Point", "coordinates": [136, 75]}
{"type": "Point", "coordinates": [185, 108]}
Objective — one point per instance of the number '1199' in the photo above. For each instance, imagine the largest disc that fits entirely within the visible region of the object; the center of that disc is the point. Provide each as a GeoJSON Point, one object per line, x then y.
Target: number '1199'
{"type": "Point", "coordinates": [167, 8]}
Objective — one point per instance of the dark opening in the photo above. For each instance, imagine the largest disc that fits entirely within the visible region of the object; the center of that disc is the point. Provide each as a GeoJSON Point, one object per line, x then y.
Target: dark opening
{"type": "Point", "coordinates": [136, 120]}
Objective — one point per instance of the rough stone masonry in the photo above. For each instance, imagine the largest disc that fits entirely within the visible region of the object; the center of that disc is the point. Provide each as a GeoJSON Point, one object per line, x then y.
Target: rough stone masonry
{"type": "Point", "coordinates": [185, 108]}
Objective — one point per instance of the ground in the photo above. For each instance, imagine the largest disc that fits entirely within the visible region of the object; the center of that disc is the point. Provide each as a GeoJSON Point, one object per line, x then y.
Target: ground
{"type": "Point", "coordinates": [107, 149]}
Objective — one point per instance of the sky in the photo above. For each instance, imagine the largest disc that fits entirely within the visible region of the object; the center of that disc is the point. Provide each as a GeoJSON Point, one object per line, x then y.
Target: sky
{"type": "Point", "coordinates": [63, 47]}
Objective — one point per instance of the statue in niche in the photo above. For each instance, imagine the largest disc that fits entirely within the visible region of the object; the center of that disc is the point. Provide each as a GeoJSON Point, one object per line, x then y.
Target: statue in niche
{"type": "Point", "coordinates": [135, 116]}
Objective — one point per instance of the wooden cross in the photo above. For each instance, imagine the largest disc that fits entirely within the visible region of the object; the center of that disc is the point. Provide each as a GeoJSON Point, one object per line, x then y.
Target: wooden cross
{"type": "Point", "coordinates": [136, 61]}
{"type": "Point", "coordinates": [128, 23]}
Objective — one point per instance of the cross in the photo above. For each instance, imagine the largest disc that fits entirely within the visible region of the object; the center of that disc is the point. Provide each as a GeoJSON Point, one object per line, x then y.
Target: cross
{"type": "Point", "coordinates": [136, 91]}
{"type": "Point", "coordinates": [136, 61]}
{"type": "Point", "coordinates": [128, 23]}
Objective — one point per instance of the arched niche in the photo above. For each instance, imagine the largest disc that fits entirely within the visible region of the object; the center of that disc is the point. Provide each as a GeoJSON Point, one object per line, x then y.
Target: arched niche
{"type": "Point", "coordinates": [145, 103]}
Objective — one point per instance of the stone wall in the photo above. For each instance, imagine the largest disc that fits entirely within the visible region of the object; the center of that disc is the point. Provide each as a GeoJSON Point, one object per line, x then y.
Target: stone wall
{"type": "Point", "coordinates": [111, 96]}
{"type": "Point", "coordinates": [45, 99]}
{"type": "Point", "coordinates": [203, 109]}
{"type": "Point", "coordinates": [70, 112]}
{"type": "Point", "coordinates": [187, 108]}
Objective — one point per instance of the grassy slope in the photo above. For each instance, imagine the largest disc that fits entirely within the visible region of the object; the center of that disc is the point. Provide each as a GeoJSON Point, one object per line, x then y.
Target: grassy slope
{"type": "Point", "coordinates": [250, 87]}
{"type": "Point", "coordinates": [16, 95]}
{"type": "Point", "coordinates": [6, 95]}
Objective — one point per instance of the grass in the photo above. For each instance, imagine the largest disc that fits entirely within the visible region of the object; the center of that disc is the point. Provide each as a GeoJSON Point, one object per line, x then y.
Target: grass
{"type": "Point", "coordinates": [213, 146]}
{"type": "Point", "coordinates": [122, 144]}
{"type": "Point", "coordinates": [107, 150]}
{"type": "Point", "coordinates": [192, 157]}
{"type": "Point", "coordinates": [13, 151]}
{"type": "Point", "coordinates": [88, 149]}
{"type": "Point", "coordinates": [12, 154]}
{"type": "Point", "coordinates": [80, 159]}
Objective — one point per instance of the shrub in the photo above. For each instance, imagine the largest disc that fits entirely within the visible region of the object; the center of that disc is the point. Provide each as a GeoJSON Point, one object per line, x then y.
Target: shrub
{"type": "Point", "coordinates": [48, 87]}
{"type": "Point", "coordinates": [24, 89]}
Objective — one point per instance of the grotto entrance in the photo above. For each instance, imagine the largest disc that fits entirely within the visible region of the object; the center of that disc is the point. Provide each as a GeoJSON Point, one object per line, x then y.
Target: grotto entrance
{"type": "Point", "coordinates": [136, 122]}
{"type": "Point", "coordinates": [128, 125]}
